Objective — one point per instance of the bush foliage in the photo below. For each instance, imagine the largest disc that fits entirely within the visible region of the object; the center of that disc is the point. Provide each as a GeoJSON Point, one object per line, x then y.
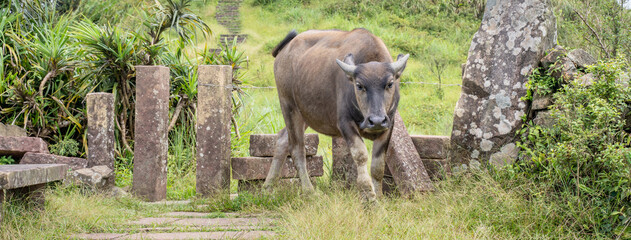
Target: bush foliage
{"type": "Point", "coordinates": [584, 158]}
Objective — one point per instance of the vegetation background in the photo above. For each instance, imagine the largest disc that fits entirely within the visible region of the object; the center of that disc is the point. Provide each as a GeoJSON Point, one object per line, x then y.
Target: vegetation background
{"type": "Point", "coordinates": [54, 52]}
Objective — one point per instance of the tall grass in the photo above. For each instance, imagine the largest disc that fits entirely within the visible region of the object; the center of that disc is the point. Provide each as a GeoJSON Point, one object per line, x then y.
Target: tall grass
{"type": "Point", "coordinates": [476, 205]}
{"type": "Point", "coordinates": [66, 211]}
{"type": "Point", "coordinates": [472, 206]}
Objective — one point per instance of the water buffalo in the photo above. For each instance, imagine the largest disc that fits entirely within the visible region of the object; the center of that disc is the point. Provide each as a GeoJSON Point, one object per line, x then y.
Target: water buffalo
{"type": "Point", "coordinates": [353, 98]}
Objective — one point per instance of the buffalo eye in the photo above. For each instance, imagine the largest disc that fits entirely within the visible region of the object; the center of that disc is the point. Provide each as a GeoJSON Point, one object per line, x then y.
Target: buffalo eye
{"type": "Point", "coordinates": [361, 87]}
{"type": "Point", "coordinates": [390, 84]}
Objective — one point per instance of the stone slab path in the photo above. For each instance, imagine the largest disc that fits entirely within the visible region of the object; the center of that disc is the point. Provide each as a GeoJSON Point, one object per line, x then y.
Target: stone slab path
{"type": "Point", "coordinates": [192, 225]}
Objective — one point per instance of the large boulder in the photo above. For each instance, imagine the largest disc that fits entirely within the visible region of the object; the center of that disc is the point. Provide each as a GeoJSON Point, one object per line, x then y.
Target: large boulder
{"type": "Point", "coordinates": [512, 39]}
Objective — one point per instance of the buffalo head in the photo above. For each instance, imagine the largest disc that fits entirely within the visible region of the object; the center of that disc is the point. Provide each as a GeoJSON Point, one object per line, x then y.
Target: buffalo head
{"type": "Point", "coordinates": [376, 89]}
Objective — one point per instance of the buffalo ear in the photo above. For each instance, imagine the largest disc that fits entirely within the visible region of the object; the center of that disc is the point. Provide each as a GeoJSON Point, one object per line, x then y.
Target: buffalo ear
{"type": "Point", "coordinates": [348, 66]}
{"type": "Point", "coordinates": [400, 64]}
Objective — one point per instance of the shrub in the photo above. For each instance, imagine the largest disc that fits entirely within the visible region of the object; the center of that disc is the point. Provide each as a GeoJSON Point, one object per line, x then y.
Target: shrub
{"type": "Point", "coordinates": [583, 159]}
{"type": "Point", "coordinates": [4, 160]}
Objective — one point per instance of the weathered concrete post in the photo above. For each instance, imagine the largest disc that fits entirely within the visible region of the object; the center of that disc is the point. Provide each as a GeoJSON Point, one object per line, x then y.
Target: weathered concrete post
{"type": "Point", "coordinates": [101, 140]}
{"type": "Point", "coordinates": [214, 110]}
{"type": "Point", "coordinates": [512, 38]}
{"type": "Point", "coordinates": [344, 168]}
{"type": "Point", "coordinates": [151, 142]}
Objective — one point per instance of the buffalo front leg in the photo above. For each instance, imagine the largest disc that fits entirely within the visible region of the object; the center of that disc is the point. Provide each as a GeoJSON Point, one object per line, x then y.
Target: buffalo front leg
{"type": "Point", "coordinates": [360, 156]}
{"type": "Point", "coordinates": [378, 164]}
{"type": "Point", "coordinates": [280, 155]}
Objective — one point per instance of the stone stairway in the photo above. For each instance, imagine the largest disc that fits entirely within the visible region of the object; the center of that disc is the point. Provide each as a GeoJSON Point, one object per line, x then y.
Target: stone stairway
{"type": "Point", "coordinates": [192, 225]}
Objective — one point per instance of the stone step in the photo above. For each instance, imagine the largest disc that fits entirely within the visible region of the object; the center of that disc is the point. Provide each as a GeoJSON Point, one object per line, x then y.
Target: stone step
{"type": "Point", "coordinates": [436, 168]}
{"type": "Point", "coordinates": [16, 147]}
{"type": "Point", "coordinates": [179, 235]}
{"type": "Point", "coordinates": [253, 168]}
{"type": "Point", "coordinates": [99, 236]}
{"type": "Point", "coordinates": [203, 235]}
{"type": "Point", "coordinates": [431, 147]}
{"type": "Point", "coordinates": [232, 223]}
{"type": "Point", "coordinates": [208, 215]}
{"type": "Point", "coordinates": [264, 145]}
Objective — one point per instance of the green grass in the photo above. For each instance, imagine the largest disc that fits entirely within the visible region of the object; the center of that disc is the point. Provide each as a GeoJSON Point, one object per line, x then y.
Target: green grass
{"type": "Point", "coordinates": [472, 206]}
{"type": "Point", "coordinates": [478, 205]}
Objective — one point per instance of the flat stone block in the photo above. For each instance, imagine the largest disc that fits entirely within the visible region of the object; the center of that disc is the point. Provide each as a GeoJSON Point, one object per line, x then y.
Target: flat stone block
{"type": "Point", "coordinates": [214, 111]}
{"type": "Point", "coordinates": [12, 131]}
{"type": "Point", "coordinates": [154, 221]}
{"type": "Point", "coordinates": [169, 203]}
{"type": "Point", "coordinates": [252, 168]}
{"type": "Point", "coordinates": [256, 185]}
{"type": "Point", "coordinates": [431, 146]}
{"type": "Point", "coordinates": [344, 167]}
{"type": "Point", "coordinates": [223, 222]}
{"type": "Point", "coordinates": [18, 146]}
{"type": "Point", "coordinates": [23, 175]}
{"type": "Point", "coordinates": [151, 142]}
{"type": "Point", "coordinates": [187, 214]}
{"type": "Point", "coordinates": [98, 236]}
{"type": "Point", "coordinates": [404, 162]}
{"type": "Point", "coordinates": [436, 168]}
{"type": "Point", "coordinates": [250, 185]}
{"type": "Point", "coordinates": [203, 235]}
{"type": "Point", "coordinates": [210, 215]}
{"type": "Point", "coordinates": [100, 134]}
{"type": "Point", "coordinates": [45, 158]}
{"type": "Point", "coordinates": [264, 145]}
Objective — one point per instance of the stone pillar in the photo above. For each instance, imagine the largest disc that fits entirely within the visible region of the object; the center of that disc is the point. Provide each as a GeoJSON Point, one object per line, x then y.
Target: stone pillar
{"type": "Point", "coordinates": [101, 140]}
{"type": "Point", "coordinates": [512, 38]}
{"type": "Point", "coordinates": [344, 168]}
{"type": "Point", "coordinates": [214, 110]}
{"type": "Point", "coordinates": [151, 138]}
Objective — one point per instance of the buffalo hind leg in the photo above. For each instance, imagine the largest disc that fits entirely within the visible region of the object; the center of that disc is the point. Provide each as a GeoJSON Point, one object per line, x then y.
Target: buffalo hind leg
{"type": "Point", "coordinates": [297, 146]}
{"type": "Point", "coordinates": [280, 155]}
{"type": "Point", "coordinates": [295, 130]}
